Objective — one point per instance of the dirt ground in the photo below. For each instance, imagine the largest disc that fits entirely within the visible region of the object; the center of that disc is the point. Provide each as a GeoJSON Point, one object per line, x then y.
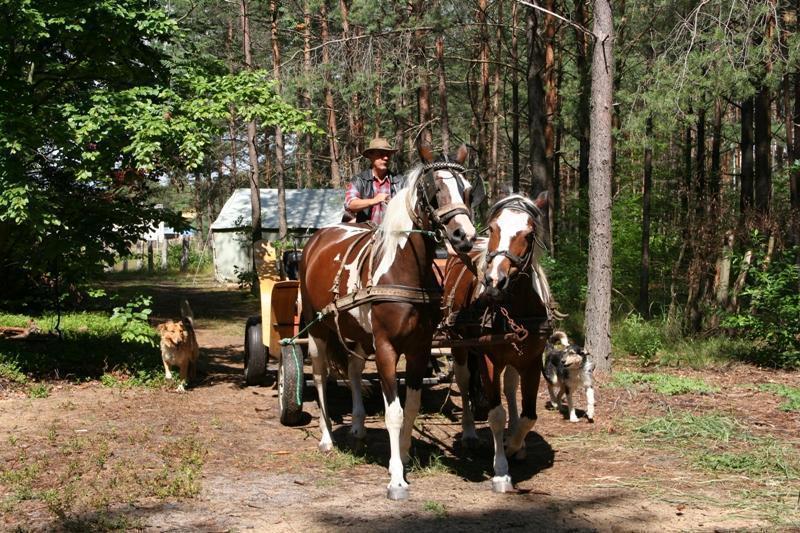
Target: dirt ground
{"type": "Point", "coordinates": [251, 473]}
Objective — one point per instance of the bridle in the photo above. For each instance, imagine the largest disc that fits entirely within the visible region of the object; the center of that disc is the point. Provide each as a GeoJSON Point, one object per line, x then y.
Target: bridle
{"type": "Point", "coordinates": [426, 192]}
{"type": "Point", "coordinates": [521, 263]}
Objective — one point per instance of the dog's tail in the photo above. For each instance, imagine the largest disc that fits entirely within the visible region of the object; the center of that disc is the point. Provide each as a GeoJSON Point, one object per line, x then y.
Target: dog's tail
{"type": "Point", "coordinates": [559, 337]}
{"type": "Point", "coordinates": [186, 312]}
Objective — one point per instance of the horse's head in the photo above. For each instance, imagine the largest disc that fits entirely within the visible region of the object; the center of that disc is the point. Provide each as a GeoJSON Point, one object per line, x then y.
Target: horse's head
{"type": "Point", "coordinates": [515, 225]}
{"type": "Point", "coordinates": [447, 194]}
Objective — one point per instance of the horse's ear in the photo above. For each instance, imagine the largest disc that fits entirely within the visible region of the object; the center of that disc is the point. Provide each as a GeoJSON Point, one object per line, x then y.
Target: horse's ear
{"type": "Point", "coordinates": [542, 201]}
{"type": "Point", "coordinates": [425, 154]}
{"type": "Point", "coordinates": [462, 153]}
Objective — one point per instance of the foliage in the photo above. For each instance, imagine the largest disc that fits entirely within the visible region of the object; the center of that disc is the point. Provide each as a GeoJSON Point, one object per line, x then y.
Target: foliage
{"type": "Point", "coordinates": [792, 395]}
{"type": "Point", "coordinates": [773, 317]}
{"type": "Point", "coordinates": [663, 383]}
{"type": "Point", "coordinates": [639, 337]}
{"type": "Point", "coordinates": [132, 320]}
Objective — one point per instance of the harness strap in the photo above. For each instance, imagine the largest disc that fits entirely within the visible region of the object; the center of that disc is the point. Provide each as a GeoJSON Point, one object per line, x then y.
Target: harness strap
{"type": "Point", "coordinates": [444, 214]}
{"type": "Point", "coordinates": [384, 293]}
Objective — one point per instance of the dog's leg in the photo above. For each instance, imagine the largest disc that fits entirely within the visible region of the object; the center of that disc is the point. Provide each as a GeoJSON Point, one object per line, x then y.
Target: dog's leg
{"type": "Point", "coordinates": [571, 405]}
{"type": "Point", "coordinates": [510, 385]}
{"type": "Point", "coordinates": [354, 371]}
{"type": "Point", "coordinates": [184, 373]}
{"type": "Point", "coordinates": [468, 435]}
{"type": "Point", "coordinates": [551, 389]}
{"type": "Point", "coordinates": [167, 371]}
{"type": "Point", "coordinates": [319, 363]}
{"type": "Point", "coordinates": [590, 403]}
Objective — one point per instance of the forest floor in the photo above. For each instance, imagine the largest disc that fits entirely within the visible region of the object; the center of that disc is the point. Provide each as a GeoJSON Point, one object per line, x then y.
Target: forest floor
{"type": "Point", "coordinates": [93, 457]}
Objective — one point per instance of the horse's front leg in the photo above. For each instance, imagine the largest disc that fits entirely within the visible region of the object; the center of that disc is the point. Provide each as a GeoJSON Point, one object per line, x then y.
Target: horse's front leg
{"type": "Point", "coordinates": [510, 386]}
{"type": "Point", "coordinates": [355, 369]}
{"type": "Point", "coordinates": [501, 482]}
{"type": "Point", "coordinates": [386, 361]}
{"type": "Point", "coordinates": [468, 434]}
{"type": "Point", "coordinates": [530, 387]}
{"type": "Point", "coordinates": [416, 365]}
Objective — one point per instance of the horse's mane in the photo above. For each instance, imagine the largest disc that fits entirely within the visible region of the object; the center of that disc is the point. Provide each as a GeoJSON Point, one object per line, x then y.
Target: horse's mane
{"type": "Point", "coordinates": [393, 230]}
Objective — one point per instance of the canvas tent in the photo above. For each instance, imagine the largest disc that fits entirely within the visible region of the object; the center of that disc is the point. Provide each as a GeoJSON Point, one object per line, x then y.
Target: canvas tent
{"type": "Point", "coordinates": [306, 210]}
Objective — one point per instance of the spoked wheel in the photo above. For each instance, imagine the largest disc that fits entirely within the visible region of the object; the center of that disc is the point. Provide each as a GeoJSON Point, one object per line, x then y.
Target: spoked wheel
{"type": "Point", "coordinates": [255, 353]}
{"type": "Point", "coordinates": [290, 385]}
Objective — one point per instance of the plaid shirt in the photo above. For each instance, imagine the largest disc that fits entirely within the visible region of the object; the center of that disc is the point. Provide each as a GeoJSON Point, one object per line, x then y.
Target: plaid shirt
{"type": "Point", "coordinates": [379, 186]}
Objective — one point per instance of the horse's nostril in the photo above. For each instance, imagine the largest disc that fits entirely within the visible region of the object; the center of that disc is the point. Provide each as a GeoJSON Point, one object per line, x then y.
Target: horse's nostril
{"type": "Point", "coordinates": [458, 233]}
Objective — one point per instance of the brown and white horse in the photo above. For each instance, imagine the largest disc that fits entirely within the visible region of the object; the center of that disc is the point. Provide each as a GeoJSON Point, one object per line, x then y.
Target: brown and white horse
{"type": "Point", "coordinates": [394, 264]}
{"type": "Point", "coordinates": [513, 294]}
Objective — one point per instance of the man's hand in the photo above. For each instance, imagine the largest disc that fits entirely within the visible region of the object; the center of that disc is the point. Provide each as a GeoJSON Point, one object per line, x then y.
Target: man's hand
{"type": "Point", "coordinates": [380, 198]}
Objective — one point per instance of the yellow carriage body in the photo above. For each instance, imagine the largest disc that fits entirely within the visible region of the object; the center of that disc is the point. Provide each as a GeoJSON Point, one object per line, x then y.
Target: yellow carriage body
{"type": "Point", "coordinates": [280, 305]}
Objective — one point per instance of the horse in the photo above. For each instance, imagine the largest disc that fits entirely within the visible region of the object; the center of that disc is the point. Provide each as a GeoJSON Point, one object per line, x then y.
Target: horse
{"type": "Point", "coordinates": [505, 305]}
{"type": "Point", "coordinates": [375, 289]}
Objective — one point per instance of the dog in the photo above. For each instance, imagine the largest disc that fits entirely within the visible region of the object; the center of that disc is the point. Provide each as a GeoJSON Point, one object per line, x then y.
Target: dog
{"type": "Point", "coordinates": [568, 366]}
{"type": "Point", "coordinates": [179, 345]}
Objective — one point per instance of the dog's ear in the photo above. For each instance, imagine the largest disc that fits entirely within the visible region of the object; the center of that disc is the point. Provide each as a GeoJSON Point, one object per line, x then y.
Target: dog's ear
{"type": "Point", "coordinates": [161, 327]}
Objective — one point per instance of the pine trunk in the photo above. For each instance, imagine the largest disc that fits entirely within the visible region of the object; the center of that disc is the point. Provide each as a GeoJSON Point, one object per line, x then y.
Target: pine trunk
{"type": "Point", "coordinates": [763, 142]}
{"type": "Point", "coordinates": [748, 172]}
{"type": "Point", "coordinates": [515, 147]}
{"type": "Point", "coordinates": [644, 275]}
{"type": "Point", "coordinates": [441, 73]}
{"type": "Point", "coordinates": [540, 180]}
{"type": "Point", "coordinates": [330, 110]}
{"type": "Point", "coordinates": [280, 170]}
{"type": "Point", "coordinates": [598, 299]}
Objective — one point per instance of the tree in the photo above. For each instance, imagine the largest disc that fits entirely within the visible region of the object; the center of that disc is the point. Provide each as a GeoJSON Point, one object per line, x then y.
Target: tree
{"type": "Point", "coordinates": [598, 299]}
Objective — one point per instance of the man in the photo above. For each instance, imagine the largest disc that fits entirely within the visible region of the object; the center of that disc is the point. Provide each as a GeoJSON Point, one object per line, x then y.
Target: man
{"type": "Point", "coordinates": [370, 191]}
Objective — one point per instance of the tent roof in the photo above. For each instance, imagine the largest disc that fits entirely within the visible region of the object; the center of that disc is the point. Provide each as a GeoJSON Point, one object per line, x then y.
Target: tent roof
{"type": "Point", "coordinates": [305, 208]}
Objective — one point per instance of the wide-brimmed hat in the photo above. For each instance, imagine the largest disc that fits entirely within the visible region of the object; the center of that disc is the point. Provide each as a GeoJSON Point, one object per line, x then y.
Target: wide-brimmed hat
{"type": "Point", "coordinates": [378, 144]}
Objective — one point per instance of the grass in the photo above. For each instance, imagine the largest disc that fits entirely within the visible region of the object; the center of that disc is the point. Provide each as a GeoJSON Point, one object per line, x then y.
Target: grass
{"type": "Point", "coordinates": [662, 383]}
{"type": "Point", "coordinates": [84, 476]}
{"type": "Point", "coordinates": [792, 395]}
{"type": "Point", "coordinates": [39, 390]}
{"type": "Point", "coordinates": [434, 465]}
{"type": "Point", "coordinates": [91, 345]}
{"type": "Point", "coordinates": [337, 460]}
{"type": "Point", "coordinates": [719, 443]}
{"type": "Point", "coordinates": [435, 507]}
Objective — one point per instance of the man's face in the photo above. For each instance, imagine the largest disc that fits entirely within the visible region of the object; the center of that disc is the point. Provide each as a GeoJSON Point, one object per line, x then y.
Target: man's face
{"type": "Point", "coordinates": [379, 159]}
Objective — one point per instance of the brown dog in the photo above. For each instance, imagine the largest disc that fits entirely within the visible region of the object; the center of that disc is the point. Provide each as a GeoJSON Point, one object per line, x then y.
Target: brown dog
{"type": "Point", "coordinates": [179, 345]}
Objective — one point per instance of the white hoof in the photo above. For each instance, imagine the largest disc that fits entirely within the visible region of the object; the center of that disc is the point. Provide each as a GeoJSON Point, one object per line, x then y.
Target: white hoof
{"type": "Point", "coordinates": [574, 419]}
{"type": "Point", "coordinates": [502, 484]}
{"type": "Point", "coordinates": [397, 493]}
{"type": "Point", "coordinates": [325, 446]}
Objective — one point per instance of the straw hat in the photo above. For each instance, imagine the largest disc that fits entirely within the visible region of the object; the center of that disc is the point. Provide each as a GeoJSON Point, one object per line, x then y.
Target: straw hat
{"type": "Point", "coordinates": [378, 144]}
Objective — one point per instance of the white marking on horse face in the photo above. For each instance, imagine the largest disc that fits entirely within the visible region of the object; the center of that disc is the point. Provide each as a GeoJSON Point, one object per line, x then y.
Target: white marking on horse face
{"type": "Point", "coordinates": [509, 223]}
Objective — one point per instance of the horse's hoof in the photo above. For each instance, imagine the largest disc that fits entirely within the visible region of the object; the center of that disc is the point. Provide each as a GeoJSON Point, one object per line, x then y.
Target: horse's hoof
{"type": "Point", "coordinates": [520, 455]}
{"type": "Point", "coordinates": [358, 445]}
{"type": "Point", "coordinates": [325, 447]}
{"type": "Point", "coordinates": [397, 493]}
{"type": "Point", "coordinates": [502, 484]}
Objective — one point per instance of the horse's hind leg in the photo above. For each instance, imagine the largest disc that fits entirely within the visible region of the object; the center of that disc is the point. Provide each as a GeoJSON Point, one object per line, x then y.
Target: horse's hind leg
{"type": "Point", "coordinates": [530, 387]}
{"type": "Point", "coordinates": [468, 435]}
{"type": "Point", "coordinates": [319, 361]}
{"type": "Point", "coordinates": [355, 369]}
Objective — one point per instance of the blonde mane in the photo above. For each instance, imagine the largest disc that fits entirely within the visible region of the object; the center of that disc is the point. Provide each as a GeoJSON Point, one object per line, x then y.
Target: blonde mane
{"type": "Point", "coordinates": [393, 231]}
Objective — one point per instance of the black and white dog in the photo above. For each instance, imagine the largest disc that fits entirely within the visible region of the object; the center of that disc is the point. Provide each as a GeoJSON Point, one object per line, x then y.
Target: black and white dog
{"type": "Point", "coordinates": [568, 366]}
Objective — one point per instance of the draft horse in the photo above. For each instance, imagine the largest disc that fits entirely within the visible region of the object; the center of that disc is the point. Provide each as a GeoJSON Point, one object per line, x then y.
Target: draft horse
{"type": "Point", "coordinates": [504, 305]}
{"type": "Point", "coordinates": [373, 292]}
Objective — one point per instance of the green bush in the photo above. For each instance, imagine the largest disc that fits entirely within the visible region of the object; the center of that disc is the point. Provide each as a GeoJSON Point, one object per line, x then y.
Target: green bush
{"type": "Point", "coordinates": [770, 313]}
{"type": "Point", "coordinates": [639, 337]}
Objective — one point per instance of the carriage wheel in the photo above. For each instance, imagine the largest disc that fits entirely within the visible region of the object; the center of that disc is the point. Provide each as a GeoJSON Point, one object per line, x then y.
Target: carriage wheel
{"type": "Point", "coordinates": [255, 353]}
{"type": "Point", "coordinates": [290, 385]}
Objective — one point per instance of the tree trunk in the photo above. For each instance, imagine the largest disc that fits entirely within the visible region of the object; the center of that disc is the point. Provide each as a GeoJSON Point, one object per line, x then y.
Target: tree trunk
{"type": "Point", "coordinates": [308, 142]}
{"type": "Point", "coordinates": [700, 165]}
{"type": "Point", "coordinates": [417, 12]}
{"type": "Point", "coordinates": [687, 176]}
{"type": "Point", "coordinates": [794, 177]}
{"type": "Point", "coordinates": [598, 299]}
{"type": "Point", "coordinates": [494, 154]}
{"type": "Point", "coordinates": [746, 193]}
{"type": "Point", "coordinates": [255, 193]}
{"type": "Point", "coordinates": [515, 147]}
{"type": "Point", "coordinates": [444, 117]}
{"type": "Point", "coordinates": [279, 153]}
{"type": "Point", "coordinates": [715, 175]}
{"type": "Point", "coordinates": [582, 125]}
{"type": "Point", "coordinates": [330, 110]}
{"type": "Point", "coordinates": [644, 277]}
{"type": "Point", "coordinates": [540, 179]}
{"type": "Point", "coordinates": [763, 141]}
{"type": "Point", "coordinates": [551, 103]}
